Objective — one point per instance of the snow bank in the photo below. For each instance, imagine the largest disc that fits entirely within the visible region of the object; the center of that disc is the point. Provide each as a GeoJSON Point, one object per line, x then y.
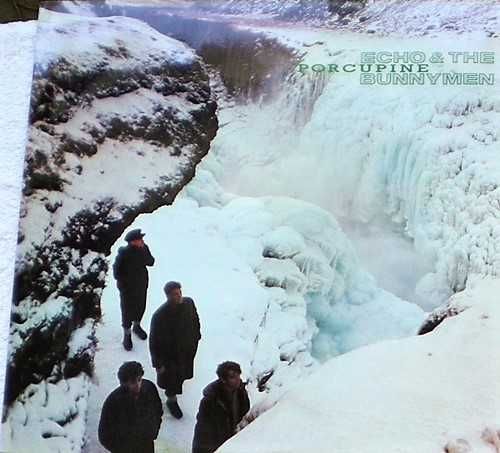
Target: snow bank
{"type": "Point", "coordinates": [138, 43]}
{"type": "Point", "coordinates": [49, 411]}
{"type": "Point", "coordinates": [413, 395]}
{"type": "Point", "coordinates": [16, 48]}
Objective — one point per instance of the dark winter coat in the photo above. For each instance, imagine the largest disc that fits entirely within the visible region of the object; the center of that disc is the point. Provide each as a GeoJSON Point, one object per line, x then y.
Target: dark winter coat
{"type": "Point", "coordinates": [173, 342]}
{"type": "Point", "coordinates": [128, 425]}
{"type": "Point", "coordinates": [215, 422]}
{"type": "Point", "coordinates": [131, 274]}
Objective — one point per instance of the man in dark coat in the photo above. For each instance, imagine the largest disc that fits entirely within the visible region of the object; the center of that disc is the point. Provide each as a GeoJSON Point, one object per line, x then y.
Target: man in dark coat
{"type": "Point", "coordinates": [131, 415]}
{"type": "Point", "coordinates": [132, 280]}
{"type": "Point", "coordinates": [224, 403]}
{"type": "Point", "coordinates": [173, 342]}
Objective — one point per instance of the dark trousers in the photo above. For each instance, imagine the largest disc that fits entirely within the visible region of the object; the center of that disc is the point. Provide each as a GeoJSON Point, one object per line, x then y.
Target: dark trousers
{"type": "Point", "coordinates": [172, 379]}
{"type": "Point", "coordinates": [133, 305]}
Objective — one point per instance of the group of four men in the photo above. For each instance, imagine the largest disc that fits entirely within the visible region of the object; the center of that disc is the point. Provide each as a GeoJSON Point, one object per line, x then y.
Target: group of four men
{"type": "Point", "coordinates": [131, 415]}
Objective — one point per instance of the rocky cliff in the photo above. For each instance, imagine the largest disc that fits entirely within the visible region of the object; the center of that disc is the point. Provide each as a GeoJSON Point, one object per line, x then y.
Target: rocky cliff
{"type": "Point", "coordinates": [120, 117]}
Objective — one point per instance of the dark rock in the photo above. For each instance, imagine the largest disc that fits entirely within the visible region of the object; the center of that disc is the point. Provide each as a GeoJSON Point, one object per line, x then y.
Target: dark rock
{"type": "Point", "coordinates": [438, 316]}
{"type": "Point", "coordinates": [263, 379]}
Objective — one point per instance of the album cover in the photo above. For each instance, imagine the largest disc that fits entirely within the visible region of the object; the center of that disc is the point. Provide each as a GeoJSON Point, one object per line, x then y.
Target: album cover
{"type": "Point", "coordinates": [259, 227]}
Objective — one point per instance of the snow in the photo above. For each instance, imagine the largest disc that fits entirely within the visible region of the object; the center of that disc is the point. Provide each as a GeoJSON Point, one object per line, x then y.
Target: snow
{"type": "Point", "coordinates": [67, 399]}
{"type": "Point", "coordinates": [261, 300]}
{"type": "Point", "coordinates": [431, 17]}
{"type": "Point", "coordinates": [78, 8]}
{"type": "Point", "coordinates": [318, 304]}
{"type": "Point", "coordinates": [16, 47]}
{"type": "Point", "coordinates": [397, 18]}
{"type": "Point", "coordinates": [48, 410]}
{"type": "Point", "coordinates": [35, 315]}
{"type": "Point", "coordinates": [98, 38]}
{"type": "Point", "coordinates": [260, 246]}
{"type": "Point", "coordinates": [150, 3]}
{"type": "Point", "coordinates": [81, 338]}
{"type": "Point", "coordinates": [412, 395]}
{"type": "Point", "coordinates": [142, 47]}
{"type": "Point", "coordinates": [384, 153]}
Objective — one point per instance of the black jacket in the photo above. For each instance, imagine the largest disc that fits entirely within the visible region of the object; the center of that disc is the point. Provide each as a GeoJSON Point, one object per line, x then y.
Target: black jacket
{"type": "Point", "coordinates": [173, 342]}
{"type": "Point", "coordinates": [127, 424]}
{"type": "Point", "coordinates": [129, 268]}
{"type": "Point", "coordinates": [214, 422]}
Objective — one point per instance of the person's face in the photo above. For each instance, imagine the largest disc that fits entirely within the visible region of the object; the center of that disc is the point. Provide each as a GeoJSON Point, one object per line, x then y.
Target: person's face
{"type": "Point", "coordinates": [134, 386]}
{"type": "Point", "coordinates": [175, 295]}
{"type": "Point", "coordinates": [233, 380]}
{"type": "Point", "coordinates": [137, 242]}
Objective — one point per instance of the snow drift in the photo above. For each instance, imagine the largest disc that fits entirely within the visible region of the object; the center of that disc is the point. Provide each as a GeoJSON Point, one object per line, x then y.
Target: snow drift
{"type": "Point", "coordinates": [17, 46]}
{"type": "Point", "coordinates": [413, 395]}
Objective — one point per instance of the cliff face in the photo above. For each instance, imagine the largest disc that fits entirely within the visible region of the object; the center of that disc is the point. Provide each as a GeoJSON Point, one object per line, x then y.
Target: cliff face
{"type": "Point", "coordinates": [120, 117]}
{"type": "Point", "coordinates": [381, 17]}
{"type": "Point", "coordinates": [291, 10]}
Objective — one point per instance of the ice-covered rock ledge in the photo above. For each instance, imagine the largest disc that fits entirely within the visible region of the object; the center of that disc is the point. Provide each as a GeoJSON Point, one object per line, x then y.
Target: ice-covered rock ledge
{"type": "Point", "coordinates": [418, 394]}
{"type": "Point", "coordinates": [121, 115]}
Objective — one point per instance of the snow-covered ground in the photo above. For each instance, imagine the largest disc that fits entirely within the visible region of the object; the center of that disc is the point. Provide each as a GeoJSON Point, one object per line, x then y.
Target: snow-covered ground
{"type": "Point", "coordinates": [252, 308]}
{"type": "Point", "coordinates": [16, 55]}
{"type": "Point", "coordinates": [413, 395]}
{"type": "Point", "coordinates": [256, 240]}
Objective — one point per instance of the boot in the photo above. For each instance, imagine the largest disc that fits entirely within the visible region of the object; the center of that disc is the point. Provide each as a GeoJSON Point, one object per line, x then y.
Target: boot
{"type": "Point", "coordinates": [174, 408]}
{"type": "Point", "coordinates": [139, 331]}
{"type": "Point", "coordinates": [127, 340]}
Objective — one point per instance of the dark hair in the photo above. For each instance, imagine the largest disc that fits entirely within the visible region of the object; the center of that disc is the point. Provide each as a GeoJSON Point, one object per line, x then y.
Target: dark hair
{"type": "Point", "coordinates": [130, 371]}
{"type": "Point", "coordinates": [170, 286]}
{"type": "Point", "coordinates": [225, 367]}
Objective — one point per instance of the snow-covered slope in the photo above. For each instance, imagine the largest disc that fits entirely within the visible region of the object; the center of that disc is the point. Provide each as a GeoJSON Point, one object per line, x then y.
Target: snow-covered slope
{"type": "Point", "coordinates": [121, 115]}
{"type": "Point", "coordinates": [16, 47]}
{"type": "Point", "coordinates": [381, 17]}
{"type": "Point", "coordinates": [414, 395]}
{"type": "Point", "coordinates": [266, 270]}
{"type": "Point", "coordinates": [301, 10]}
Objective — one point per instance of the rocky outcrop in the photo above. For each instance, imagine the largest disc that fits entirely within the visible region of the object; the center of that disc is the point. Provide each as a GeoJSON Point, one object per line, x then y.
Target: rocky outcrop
{"type": "Point", "coordinates": [381, 17]}
{"type": "Point", "coordinates": [458, 303]}
{"type": "Point", "coordinates": [436, 317]}
{"type": "Point", "coordinates": [120, 117]}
